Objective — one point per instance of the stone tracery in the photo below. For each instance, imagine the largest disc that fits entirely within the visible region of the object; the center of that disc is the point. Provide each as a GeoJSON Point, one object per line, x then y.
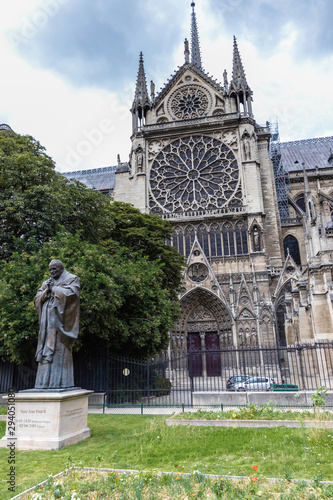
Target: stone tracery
{"type": "Point", "coordinates": [194, 173]}
{"type": "Point", "coordinates": [189, 102]}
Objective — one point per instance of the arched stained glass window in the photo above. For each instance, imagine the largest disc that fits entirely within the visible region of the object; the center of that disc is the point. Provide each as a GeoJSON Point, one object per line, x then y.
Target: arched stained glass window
{"type": "Point", "coordinates": [301, 202]}
{"type": "Point", "coordinates": [189, 239]}
{"type": "Point", "coordinates": [215, 241]}
{"type": "Point", "coordinates": [228, 239]}
{"type": "Point", "coordinates": [291, 243]}
{"type": "Point", "coordinates": [241, 238]}
{"type": "Point", "coordinates": [202, 235]}
{"type": "Point", "coordinates": [178, 240]}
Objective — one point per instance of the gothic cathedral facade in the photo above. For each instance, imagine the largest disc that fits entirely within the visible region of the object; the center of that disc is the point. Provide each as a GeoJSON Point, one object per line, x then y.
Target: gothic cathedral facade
{"type": "Point", "coordinates": [255, 276]}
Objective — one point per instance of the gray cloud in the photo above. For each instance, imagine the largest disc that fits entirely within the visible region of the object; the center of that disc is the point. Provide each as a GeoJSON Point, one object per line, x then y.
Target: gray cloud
{"type": "Point", "coordinates": [263, 22]}
{"type": "Point", "coordinates": [98, 43]}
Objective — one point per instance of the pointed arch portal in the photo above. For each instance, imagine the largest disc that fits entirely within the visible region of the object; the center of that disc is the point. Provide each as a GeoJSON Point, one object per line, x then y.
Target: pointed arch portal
{"type": "Point", "coordinates": [206, 326]}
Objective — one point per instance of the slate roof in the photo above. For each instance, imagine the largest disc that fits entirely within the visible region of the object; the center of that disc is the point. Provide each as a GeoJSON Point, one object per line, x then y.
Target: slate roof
{"type": "Point", "coordinates": [313, 152]}
{"type": "Point", "coordinates": [317, 152]}
{"type": "Point", "coordinates": [101, 179]}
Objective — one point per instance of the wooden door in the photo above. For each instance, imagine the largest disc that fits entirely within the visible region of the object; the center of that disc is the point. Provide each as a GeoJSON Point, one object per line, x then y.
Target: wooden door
{"type": "Point", "coordinates": [213, 359]}
{"type": "Point", "coordinates": [194, 355]}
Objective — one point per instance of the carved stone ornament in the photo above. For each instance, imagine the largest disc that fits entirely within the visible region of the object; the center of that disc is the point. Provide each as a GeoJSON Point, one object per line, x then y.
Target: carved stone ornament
{"type": "Point", "coordinates": [208, 326]}
{"type": "Point", "coordinates": [245, 300]}
{"type": "Point", "coordinates": [191, 101]}
{"type": "Point", "coordinates": [246, 314]}
{"type": "Point", "coordinates": [197, 272]}
{"type": "Point", "coordinates": [155, 146]}
{"type": "Point", "coordinates": [200, 313]}
{"type": "Point", "coordinates": [230, 138]}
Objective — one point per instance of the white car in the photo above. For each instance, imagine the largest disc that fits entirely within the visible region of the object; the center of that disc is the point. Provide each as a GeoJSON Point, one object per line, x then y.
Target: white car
{"type": "Point", "coordinates": [255, 384]}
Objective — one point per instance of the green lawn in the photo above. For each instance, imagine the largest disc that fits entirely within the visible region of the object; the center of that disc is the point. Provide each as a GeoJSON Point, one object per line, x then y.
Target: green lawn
{"type": "Point", "coordinates": [145, 442]}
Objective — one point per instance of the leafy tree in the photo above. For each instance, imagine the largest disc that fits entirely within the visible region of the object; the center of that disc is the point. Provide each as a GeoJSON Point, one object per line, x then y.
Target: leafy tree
{"type": "Point", "coordinates": [35, 199]}
{"type": "Point", "coordinates": [124, 305]}
{"type": "Point", "coordinates": [147, 233]}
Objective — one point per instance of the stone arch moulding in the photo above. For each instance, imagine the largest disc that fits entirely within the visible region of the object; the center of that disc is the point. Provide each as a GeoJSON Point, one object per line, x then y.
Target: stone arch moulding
{"type": "Point", "coordinates": [290, 272]}
{"type": "Point", "coordinates": [254, 224]}
{"type": "Point", "coordinates": [220, 314]}
{"type": "Point", "coordinates": [281, 312]}
{"type": "Point", "coordinates": [267, 320]}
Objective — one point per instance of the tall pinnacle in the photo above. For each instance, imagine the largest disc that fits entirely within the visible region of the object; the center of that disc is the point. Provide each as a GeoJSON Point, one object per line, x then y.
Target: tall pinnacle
{"type": "Point", "coordinates": [309, 203]}
{"type": "Point", "coordinates": [238, 73]}
{"type": "Point", "coordinates": [195, 46]}
{"type": "Point", "coordinates": [141, 98]}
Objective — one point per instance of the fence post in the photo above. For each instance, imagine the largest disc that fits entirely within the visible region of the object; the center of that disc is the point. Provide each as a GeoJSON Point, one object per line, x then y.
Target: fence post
{"type": "Point", "coordinates": [191, 375]}
{"type": "Point", "coordinates": [299, 350]}
{"type": "Point", "coordinates": [141, 408]}
{"type": "Point", "coordinates": [148, 385]}
{"type": "Point", "coordinates": [106, 366]}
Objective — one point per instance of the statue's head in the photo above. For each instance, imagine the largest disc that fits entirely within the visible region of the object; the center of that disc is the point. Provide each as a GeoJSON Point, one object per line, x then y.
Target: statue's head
{"type": "Point", "coordinates": [56, 267]}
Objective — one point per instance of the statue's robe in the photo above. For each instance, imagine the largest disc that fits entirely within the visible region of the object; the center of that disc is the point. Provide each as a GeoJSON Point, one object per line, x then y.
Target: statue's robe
{"type": "Point", "coordinates": [59, 328]}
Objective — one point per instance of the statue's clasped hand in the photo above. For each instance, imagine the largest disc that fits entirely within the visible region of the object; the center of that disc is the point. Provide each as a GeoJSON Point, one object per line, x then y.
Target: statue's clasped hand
{"type": "Point", "coordinates": [50, 284]}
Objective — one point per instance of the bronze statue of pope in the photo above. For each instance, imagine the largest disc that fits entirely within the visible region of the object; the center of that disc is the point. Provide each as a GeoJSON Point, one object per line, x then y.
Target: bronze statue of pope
{"type": "Point", "coordinates": [58, 306]}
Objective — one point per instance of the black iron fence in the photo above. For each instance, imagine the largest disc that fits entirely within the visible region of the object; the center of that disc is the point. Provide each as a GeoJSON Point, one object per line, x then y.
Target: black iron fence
{"type": "Point", "coordinates": [172, 379]}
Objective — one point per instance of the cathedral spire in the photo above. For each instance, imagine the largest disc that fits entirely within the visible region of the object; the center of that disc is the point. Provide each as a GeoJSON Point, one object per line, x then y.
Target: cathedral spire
{"type": "Point", "coordinates": [238, 73]}
{"type": "Point", "coordinates": [141, 98]}
{"type": "Point", "coordinates": [141, 103]}
{"type": "Point", "coordinates": [195, 46]}
{"type": "Point", "coordinates": [239, 86]}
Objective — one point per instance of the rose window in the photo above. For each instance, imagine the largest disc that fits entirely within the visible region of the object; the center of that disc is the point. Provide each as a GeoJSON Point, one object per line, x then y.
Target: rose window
{"type": "Point", "coordinates": [189, 102]}
{"type": "Point", "coordinates": [197, 272]}
{"type": "Point", "coordinates": [194, 173]}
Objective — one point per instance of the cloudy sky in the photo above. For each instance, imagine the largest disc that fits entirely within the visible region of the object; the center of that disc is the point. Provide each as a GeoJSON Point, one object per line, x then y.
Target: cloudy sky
{"type": "Point", "coordinates": [69, 66]}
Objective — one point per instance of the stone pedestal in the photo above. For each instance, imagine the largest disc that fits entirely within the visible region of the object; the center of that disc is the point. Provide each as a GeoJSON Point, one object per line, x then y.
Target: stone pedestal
{"type": "Point", "coordinates": [47, 420]}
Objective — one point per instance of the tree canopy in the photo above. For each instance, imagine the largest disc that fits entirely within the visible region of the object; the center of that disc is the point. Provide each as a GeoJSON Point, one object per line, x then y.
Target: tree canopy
{"type": "Point", "coordinates": [129, 276]}
{"type": "Point", "coordinates": [124, 306]}
{"type": "Point", "coordinates": [35, 199]}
